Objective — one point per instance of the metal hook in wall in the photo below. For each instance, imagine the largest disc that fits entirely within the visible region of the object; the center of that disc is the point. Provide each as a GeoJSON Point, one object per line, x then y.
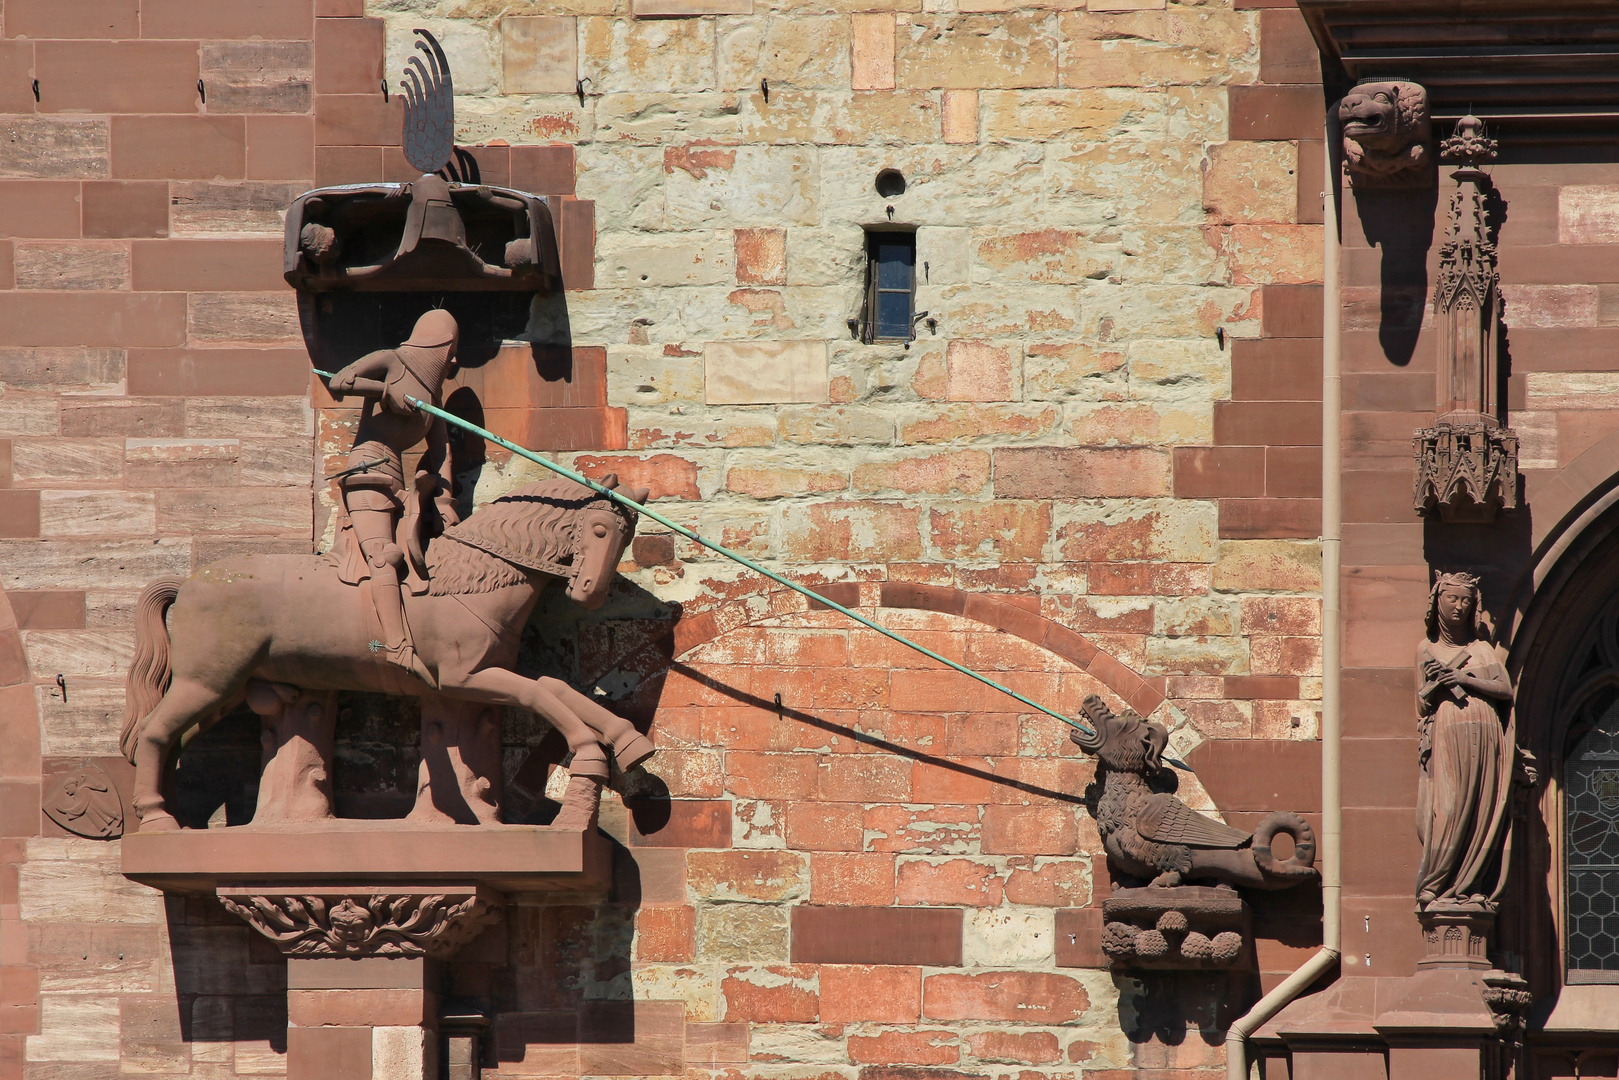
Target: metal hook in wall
{"type": "Point", "coordinates": [385, 91]}
{"type": "Point", "coordinates": [62, 682]}
{"type": "Point", "coordinates": [579, 86]}
{"type": "Point", "coordinates": [202, 91]}
{"type": "Point", "coordinates": [36, 89]}
{"type": "Point", "coordinates": [764, 88]}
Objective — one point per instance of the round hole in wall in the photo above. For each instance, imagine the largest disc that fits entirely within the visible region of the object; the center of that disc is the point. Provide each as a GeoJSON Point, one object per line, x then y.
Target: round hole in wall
{"type": "Point", "coordinates": [890, 182]}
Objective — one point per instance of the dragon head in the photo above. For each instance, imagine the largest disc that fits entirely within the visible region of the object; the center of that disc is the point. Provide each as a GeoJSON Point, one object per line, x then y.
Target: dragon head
{"type": "Point", "coordinates": [1124, 742]}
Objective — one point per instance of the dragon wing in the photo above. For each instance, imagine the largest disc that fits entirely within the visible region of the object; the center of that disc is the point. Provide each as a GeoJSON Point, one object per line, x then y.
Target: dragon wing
{"type": "Point", "coordinates": [1167, 820]}
{"type": "Point", "coordinates": [429, 107]}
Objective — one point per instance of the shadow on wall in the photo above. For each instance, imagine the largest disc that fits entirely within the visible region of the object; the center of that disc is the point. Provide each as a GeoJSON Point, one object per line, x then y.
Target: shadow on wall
{"type": "Point", "coordinates": [1400, 222]}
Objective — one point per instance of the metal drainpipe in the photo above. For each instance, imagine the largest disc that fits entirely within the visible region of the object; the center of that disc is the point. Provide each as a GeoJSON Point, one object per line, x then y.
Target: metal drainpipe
{"type": "Point", "coordinates": [1236, 1044]}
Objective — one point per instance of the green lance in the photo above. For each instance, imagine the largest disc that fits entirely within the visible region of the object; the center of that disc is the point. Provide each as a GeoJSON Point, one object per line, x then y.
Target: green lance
{"type": "Point", "coordinates": [451, 418]}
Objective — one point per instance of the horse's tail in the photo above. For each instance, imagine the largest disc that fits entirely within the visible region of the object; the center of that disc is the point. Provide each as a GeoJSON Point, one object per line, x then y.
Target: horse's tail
{"type": "Point", "coordinates": [150, 671]}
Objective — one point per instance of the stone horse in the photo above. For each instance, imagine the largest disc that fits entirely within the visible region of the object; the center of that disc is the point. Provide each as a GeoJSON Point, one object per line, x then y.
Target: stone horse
{"type": "Point", "coordinates": [253, 627]}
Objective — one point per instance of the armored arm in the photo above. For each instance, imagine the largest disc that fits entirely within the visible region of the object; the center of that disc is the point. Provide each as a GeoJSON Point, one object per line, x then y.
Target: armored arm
{"type": "Point", "coordinates": [367, 376]}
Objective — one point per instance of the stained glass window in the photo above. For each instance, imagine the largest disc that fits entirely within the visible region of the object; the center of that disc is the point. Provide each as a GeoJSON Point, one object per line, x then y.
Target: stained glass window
{"type": "Point", "coordinates": [1591, 838]}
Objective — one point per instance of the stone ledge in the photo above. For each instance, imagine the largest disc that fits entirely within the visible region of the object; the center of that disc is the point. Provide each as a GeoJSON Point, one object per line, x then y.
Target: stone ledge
{"type": "Point", "coordinates": [507, 858]}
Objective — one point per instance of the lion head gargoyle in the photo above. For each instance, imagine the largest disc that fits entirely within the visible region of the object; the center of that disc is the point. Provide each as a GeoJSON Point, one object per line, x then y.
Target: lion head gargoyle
{"type": "Point", "coordinates": [1149, 833]}
{"type": "Point", "coordinates": [1387, 134]}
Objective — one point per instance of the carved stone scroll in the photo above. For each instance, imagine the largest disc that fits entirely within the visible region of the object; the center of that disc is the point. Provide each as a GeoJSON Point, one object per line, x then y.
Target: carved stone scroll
{"type": "Point", "coordinates": [358, 922]}
{"type": "Point", "coordinates": [1387, 135]}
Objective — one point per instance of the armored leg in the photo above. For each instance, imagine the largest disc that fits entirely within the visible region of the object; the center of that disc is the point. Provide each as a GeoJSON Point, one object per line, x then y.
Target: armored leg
{"type": "Point", "coordinates": [372, 513]}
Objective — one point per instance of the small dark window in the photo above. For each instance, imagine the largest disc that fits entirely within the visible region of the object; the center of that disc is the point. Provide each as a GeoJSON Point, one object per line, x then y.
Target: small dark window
{"type": "Point", "coordinates": [890, 285]}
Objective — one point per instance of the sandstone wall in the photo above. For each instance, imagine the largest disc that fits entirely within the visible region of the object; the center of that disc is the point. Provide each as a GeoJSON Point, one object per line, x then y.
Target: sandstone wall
{"type": "Point", "coordinates": [1108, 433]}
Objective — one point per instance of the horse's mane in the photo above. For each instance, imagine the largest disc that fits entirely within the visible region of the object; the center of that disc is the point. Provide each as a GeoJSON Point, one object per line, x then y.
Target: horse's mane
{"type": "Point", "coordinates": [529, 530]}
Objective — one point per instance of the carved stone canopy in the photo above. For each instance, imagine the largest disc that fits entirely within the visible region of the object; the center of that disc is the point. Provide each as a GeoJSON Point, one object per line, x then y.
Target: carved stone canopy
{"type": "Point", "coordinates": [361, 921]}
{"type": "Point", "coordinates": [1467, 470]}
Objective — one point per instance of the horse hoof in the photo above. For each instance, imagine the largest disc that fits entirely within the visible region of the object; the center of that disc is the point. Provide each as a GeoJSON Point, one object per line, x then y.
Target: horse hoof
{"type": "Point", "coordinates": [159, 821]}
{"type": "Point", "coordinates": [593, 767]}
{"type": "Point", "coordinates": [634, 750]}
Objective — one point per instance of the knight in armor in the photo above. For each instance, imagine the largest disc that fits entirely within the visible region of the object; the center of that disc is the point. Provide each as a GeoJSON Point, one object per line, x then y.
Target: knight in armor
{"type": "Point", "coordinates": [373, 483]}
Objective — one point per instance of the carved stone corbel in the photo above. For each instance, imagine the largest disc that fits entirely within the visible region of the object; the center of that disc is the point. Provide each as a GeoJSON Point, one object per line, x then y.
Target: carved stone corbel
{"type": "Point", "coordinates": [1387, 135]}
{"type": "Point", "coordinates": [353, 922]}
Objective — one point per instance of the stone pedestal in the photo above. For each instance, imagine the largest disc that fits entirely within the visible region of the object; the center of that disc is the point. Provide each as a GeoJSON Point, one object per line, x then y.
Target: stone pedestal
{"type": "Point", "coordinates": [1188, 926]}
{"type": "Point", "coordinates": [374, 1018]}
{"type": "Point", "coordinates": [1456, 938]}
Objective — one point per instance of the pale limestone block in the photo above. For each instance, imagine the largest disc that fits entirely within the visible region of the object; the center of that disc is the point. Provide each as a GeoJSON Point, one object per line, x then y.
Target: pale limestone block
{"type": "Point", "coordinates": [1125, 5]}
{"type": "Point", "coordinates": [1588, 214]}
{"type": "Point", "coordinates": [959, 115]}
{"type": "Point", "coordinates": [806, 52]}
{"type": "Point", "coordinates": [1049, 114]}
{"type": "Point", "coordinates": [1058, 371]}
{"type": "Point", "coordinates": [743, 186]}
{"type": "Point", "coordinates": [1198, 112]}
{"type": "Point", "coordinates": [524, 119]}
{"type": "Point", "coordinates": [835, 426]}
{"type": "Point", "coordinates": [694, 986]}
{"type": "Point", "coordinates": [663, 119]}
{"type": "Point", "coordinates": [51, 148]}
{"type": "Point", "coordinates": [653, 374]}
{"type": "Point", "coordinates": [829, 256]}
{"type": "Point", "coordinates": [966, 185]}
{"type": "Point", "coordinates": [1163, 313]}
{"type": "Point", "coordinates": [273, 462]}
{"type": "Point", "coordinates": [1009, 936]}
{"type": "Point", "coordinates": [1142, 181]}
{"type": "Point", "coordinates": [944, 254]}
{"type": "Point", "coordinates": [1248, 181]}
{"type": "Point", "coordinates": [233, 208]}
{"type": "Point", "coordinates": [1268, 566]}
{"type": "Point", "coordinates": [1140, 423]}
{"type": "Point", "coordinates": [1537, 438]}
{"type": "Point", "coordinates": [96, 513]}
{"type": "Point", "coordinates": [54, 564]}
{"type": "Point", "coordinates": [86, 724]}
{"type": "Point", "coordinates": [1200, 655]}
{"type": "Point", "coordinates": [84, 890]}
{"type": "Point", "coordinates": [472, 48]}
{"type": "Point", "coordinates": [243, 511]}
{"type": "Point", "coordinates": [762, 373]}
{"type": "Point", "coordinates": [75, 1027]}
{"type": "Point", "coordinates": [799, 1043]}
{"type": "Point", "coordinates": [47, 462]}
{"type": "Point", "coordinates": [1161, 530]}
{"type": "Point", "coordinates": [966, 52]}
{"type": "Point", "coordinates": [1050, 256]}
{"type": "Point", "coordinates": [539, 54]}
{"type": "Point", "coordinates": [110, 608]}
{"type": "Point", "coordinates": [626, 183]}
{"type": "Point", "coordinates": [647, 57]}
{"type": "Point", "coordinates": [641, 260]}
{"type": "Point", "coordinates": [1185, 255]}
{"type": "Point", "coordinates": [399, 1053]}
{"type": "Point", "coordinates": [29, 414]}
{"type": "Point", "coordinates": [1009, 311]}
{"type": "Point", "coordinates": [81, 653]}
{"type": "Point", "coordinates": [257, 318]}
{"type": "Point", "coordinates": [243, 417]}
{"type": "Point", "coordinates": [645, 8]}
{"type": "Point", "coordinates": [1186, 616]}
{"type": "Point", "coordinates": [104, 958]}
{"type": "Point", "coordinates": [858, 119]}
{"type": "Point", "coordinates": [873, 47]}
{"type": "Point", "coordinates": [102, 266]}
{"type": "Point", "coordinates": [1179, 370]}
{"type": "Point", "coordinates": [742, 933]}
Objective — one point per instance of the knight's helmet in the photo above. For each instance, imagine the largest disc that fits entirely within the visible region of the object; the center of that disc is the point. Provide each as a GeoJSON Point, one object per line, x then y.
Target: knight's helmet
{"type": "Point", "coordinates": [429, 352]}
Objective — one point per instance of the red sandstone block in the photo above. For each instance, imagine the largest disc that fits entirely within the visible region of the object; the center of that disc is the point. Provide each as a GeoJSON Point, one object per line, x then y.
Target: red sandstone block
{"type": "Point", "coordinates": [852, 878]}
{"type": "Point", "coordinates": [1211, 472]}
{"type": "Point", "coordinates": [14, 666]}
{"type": "Point", "coordinates": [207, 265]}
{"type": "Point", "coordinates": [116, 76]}
{"type": "Point", "coordinates": [666, 475]}
{"type": "Point", "coordinates": [1079, 937]}
{"type": "Point", "coordinates": [347, 165]}
{"type": "Point", "coordinates": [903, 1047]}
{"type": "Point", "coordinates": [952, 881]}
{"type": "Point", "coordinates": [1054, 883]}
{"type": "Point", "coordinates": [339, 9]}
{"type": "Point", "coordinates": [1027, 997]}
{"type": "Point", "coordinates": [16, 71]}
{"type": "Point", "coordinates": [19, 808]}
{"type": "Point", "coordinates": [876, 935]}
{"type": "Point", "coordinates": [1287, 52]}
{"type": "Point", "coordinates": [116, 209]}
{"type": "Point", "coordinates": [1293, 472]}
{"type": "Point", "coordinates": [348, 56]}
{"type": "Point", "coordinates": [771, 776]}
{"type": "Point", "coordinates": [1267, 423]}
{"type": "Point", "coordinates": [665, 934]}
{"type": "Point", "coordinates": [965, 781]}
{"type": "Point", "coordinates": [865, 778]}
{"type": "Point", "coordinates": [358, 119]}
{"type": "Point", "coordinates": [577, 237]}
{"type": "Point", "coordinates": [679, 823]}
{"type": "Point", "coordinates": [780, 993]}
{"type": "Point", "coordinates": [218, 372]}
{"type": "Point", "coordinates": [543, 170]}
{"type": "Point", "coordinates": [869, 994]}
{"type": "Point", "coordinates": [73, 18]}
{"type": "Point", "coordinates": [709, 1046]}
{"type": "Point", "coordinates": [47, 609]}
{"type": "Point", "coordinates": [281, 148]}
{"type": "Point", "coordinates": [272, 20]}
{"type": "Point", "coordinates": [1276, 369]}
{"type": "Point", "coordinates": [1255, 519]}
{"type": "Point", "coordinates": [1277, 112]}
{"type": "Point", "coordinates": [179, 147]}
{"type": "Point", "coordinates": [814, 826]}
{"type": "Point", "coordinates": [761, 256]}
{"type": "Point", "coordinates": [1017, 1047]}
{"type": "Point", "coordinates": [1291, 311]}
{"type": "Point", "coordinates": [1080, 472]}
{"type": "Point", "coordinates": [329, 1053]}
{"type": "Point", "coordinates": [92, 319]}
{"type": "Point", "coordinates": [39, 208]}
{"type": "Point", "coordinates": [1031, 830]}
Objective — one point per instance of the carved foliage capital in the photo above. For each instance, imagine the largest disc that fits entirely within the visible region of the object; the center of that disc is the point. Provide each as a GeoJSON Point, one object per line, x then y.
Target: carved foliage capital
{"type": "Point", "coordinates": [366, 920]}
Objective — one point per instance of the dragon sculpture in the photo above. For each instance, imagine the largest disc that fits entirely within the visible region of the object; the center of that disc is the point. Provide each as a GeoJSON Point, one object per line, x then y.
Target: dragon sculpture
{"type": "Point", "coordinates": [1148, 833]}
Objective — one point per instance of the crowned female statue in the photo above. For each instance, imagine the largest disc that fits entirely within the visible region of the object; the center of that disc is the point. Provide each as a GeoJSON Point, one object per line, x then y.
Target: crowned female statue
{"type": "Point", "coordinates": [1467, 751]}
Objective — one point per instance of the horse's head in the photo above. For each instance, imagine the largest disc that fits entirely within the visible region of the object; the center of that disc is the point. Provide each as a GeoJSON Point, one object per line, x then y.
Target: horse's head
{"type": "Point", "coordinates": [601, 532]}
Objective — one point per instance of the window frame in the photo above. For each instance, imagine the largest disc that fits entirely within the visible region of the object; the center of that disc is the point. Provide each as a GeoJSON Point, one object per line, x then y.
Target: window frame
{"type": "Point", "coordinates": [874, 235]}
